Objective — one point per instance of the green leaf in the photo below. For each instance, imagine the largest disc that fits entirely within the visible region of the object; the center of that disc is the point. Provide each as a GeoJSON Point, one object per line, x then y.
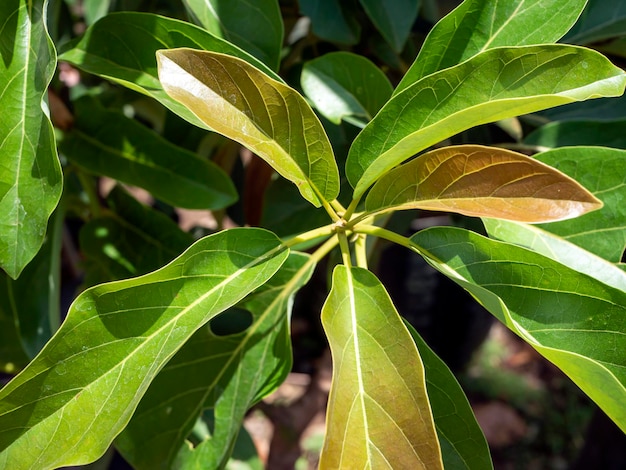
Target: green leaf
{"type": "Point", "coordinates": [394, 20]}
{"type": "Point", "coordinates": [129, 240]}
{"type": "Point", "coordinates": [228, 369]}
{"type": "Point", "coordinates": [558, 249]}
{"type": "Point", "coordinates": [463, 445]}
{"type": "Point", "coordinates": [598, 23]}
{"type": "Point", "coordinates": [603, 109]}
{"type": "Point", "coordinates": [114, 341]}
{"type": "Point", "coordinates": [579, 132]}
{"type": "Point", "coordinates": [603, 172]}
{"type": "Point", "coordinates": [342, 85]}
{"type": "Point", "coordinates": [224, 374]}
{"type": "Point", "coordinates": [575, 321]}
{"type": "Point", "coordinates": [482, 181]}
{"type": "Point", "coordinates": [121, 47]}
{"type": "Point", "coordinates": [30, 305]}
{"type": "Point", "coordinates": [266, 116]}
{"type": "Point", "coordinates": [478, 25]}
{"type": "Point", "coordinates": [256, 27]}
{"type": "Point", "coordinates": [493, 85]}
{"type": "Point", "coordinates": [330, 22]}
{"type": "Point", "coordinates": [378, 411]}
{"type": "Point", "coordinates": [30, 180]}
{"type": "Point", "coordinates": [109, 144]}
{"type": "Point", "coordinates": [95, 9]}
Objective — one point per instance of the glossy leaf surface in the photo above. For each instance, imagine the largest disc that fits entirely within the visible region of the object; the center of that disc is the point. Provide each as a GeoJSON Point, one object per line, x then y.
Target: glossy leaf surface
{"type": "Point", "coordinates": [378, 411]}
{"type": "Point", "coordinates": [266, 116]}
{"type": "Point", "coordinates": [30, 176]}
{"type": "Point", "coordinates": [107, 143]}
{"type": "Point", "coordinates": [603, 172]}
{"type": "Point", "coordinates": [482, 181]}
{"type": "Point", "coordinates": [598, 22]}
{"type": "Point", "coordinates": [463, 445]}
{"type": "Point", "coordinates": [541, 241]}
{"type": "Point", "coordinates": [394, 20]}
{"type": "Point", "coordinates": [129, 240]}
{"type": "Point", "coordinates": [496, 84]}
{"type": "Point", "coordinates": [342, 84]}
{"type": "Point", "coordinates": [575, 321]}
{"type": "Point", "coordinates": [255, 26]}
{"type": "Point", "coordinates": [114, 341]}
{"type": "Point", "coordinates": [478, 25]}
{"type": "Point", "coordinates": [222, 373]}
{"type": "Point", "coordinates": [122, 47]}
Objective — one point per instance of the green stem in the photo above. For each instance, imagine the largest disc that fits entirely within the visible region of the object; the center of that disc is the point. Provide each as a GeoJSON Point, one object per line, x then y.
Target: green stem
{"type": "Point", "coordinates": [351, 208]}
{"type": "Point", "coordinates": [310, 235]}
{"type": "Point", "coordinates": [386, 234]}
{"type": "Point", "coordinates": [345, 249]}
{"type": "Point", "coordinates": [361, 251]}
{"type": "Point", "coordinates": [338, 207]}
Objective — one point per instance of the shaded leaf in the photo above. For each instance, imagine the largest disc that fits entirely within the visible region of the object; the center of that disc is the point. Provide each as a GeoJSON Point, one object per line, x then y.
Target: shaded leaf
{"type": "Point", "coordinates": [493, 85]}
{"type": "Point", "coordinates": [129, 240]}
{"type": "Point", "coordinates": [603, 172]}
{"type": "Point", "coordinates": [30, 305]}
{"type": "Point", "coordinates": [378, 411]}
{"type": "Point", "coordinates": [558, 249]}
{"type": "Point", "coordinates": [30, 180]}
{"type": "Point", "coordinates": [584, 132]}
{"type": "Point", "coordinates": [574, 320]}
{"type": "Point", "coordinates": [394, 20]}
{"type": "Point", "coordinates": [342, 85]}
{"type": "Point", "coordinates": [478, 25]}
{"type": "Point", "coordinates": [598, 23]}
{"type": "Point", "coordinates": [266, 116]}
{"type": "Point", "coordinates": [463, 445]}
{"type": "Point", "coordinates": [121, 47]}
{"type": "Point", "coordinates": [95, 9]}
{"type": "Point", "coordinates": [223, 374]}
{"type": "Point", "coordinates": [482, 181]}
{"type": "Point", "coordinates": [114, 341]}
{"type": "Point", "coordinates": [330, 22]}
{"type": "Point", "coordinates": [109, 144]}
{"type": "Point", "coordinates": [256, 27]}
{"type": "Point", "coordinates": [603, 109]}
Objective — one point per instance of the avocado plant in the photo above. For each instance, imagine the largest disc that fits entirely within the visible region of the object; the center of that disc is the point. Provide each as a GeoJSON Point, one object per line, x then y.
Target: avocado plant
{"type": "Point", "coordinates": [141, 362]}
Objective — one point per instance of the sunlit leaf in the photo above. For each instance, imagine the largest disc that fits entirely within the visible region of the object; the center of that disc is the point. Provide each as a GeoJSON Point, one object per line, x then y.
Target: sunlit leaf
{"type": "Point", "coordinates": [603, 172]}
{"type": "Point", "coordinates": [244, 104]}
{"type": "Point", "coordinates": [342, 85]}
{"type": "Point", "coordinates": [603, 109]}
{"type": "Point", "coordinates": [482, 181]}
{"type": "Point", "coordinates": [394, 20]}
{"type": "Point", "coordinates": [115, 340]}
{"type": "Point", "coordinates": [109, 144]}
{"type": "Point", "coordinates": [558, 249]}
{"type": "Point", "coordinates": [478, 25]}
{"type": "Point", "coordinates": [255, 26]}
{"type": "Point", "coordinates": [572, 319]}
{"type": "Point", "coordinates": [223, 373]}
{"type": "Point", "coordinates": [598, 23]}
{"type": "Point", "coordinates": [495, 84]}
{"type": "Point", "coordinates": [378, 411]}
{"type": "Point", "coordinates": [463, 445]}
{"type": "Point", "coordinates": [30, 180]}
{"type": "Point", "coordinates": [121, 47]}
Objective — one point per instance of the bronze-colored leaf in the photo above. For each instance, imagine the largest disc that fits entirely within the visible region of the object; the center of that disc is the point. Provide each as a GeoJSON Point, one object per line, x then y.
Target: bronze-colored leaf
{"type": "Point", "coordinates": [482, 182]}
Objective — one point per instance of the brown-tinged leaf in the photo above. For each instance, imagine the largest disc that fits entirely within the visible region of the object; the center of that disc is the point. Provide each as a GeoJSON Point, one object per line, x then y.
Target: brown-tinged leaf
{"type": "Point", "coordinates": [244, 104]}
{"type": "Point", "coordinates": [483, 182]}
